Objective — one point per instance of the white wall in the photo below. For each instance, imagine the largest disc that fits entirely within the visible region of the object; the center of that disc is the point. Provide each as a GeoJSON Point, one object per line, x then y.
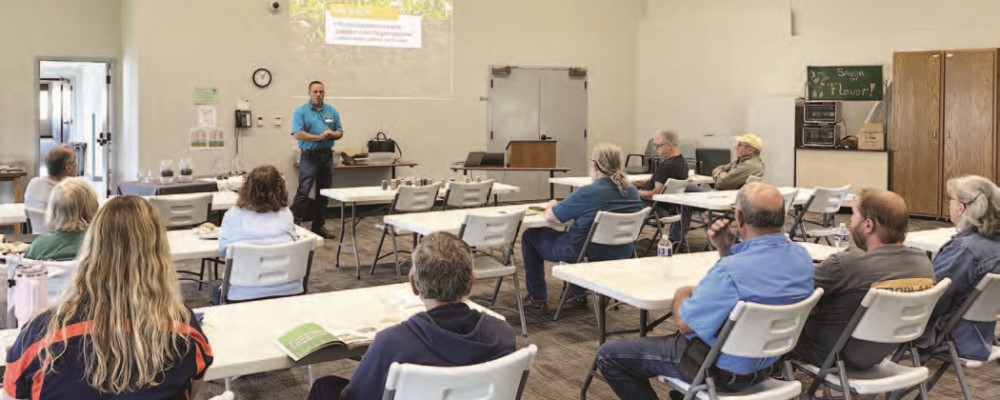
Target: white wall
{"type": "Point", "coordinates": [177, 45]}
{"type": "Point", "coordinates": [703, 65]}
{"type": "Point", "coordinates": [45, 28]}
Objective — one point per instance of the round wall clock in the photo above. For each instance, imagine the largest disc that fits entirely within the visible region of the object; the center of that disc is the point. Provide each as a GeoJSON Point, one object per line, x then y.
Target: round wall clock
{"type": "Point", "coordinates": [262, 77]}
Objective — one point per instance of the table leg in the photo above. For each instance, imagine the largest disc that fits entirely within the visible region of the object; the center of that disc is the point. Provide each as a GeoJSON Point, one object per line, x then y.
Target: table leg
{"type": "Point", "coordinates": [354, 236]}
{"type": "Point", "coordinates": [393, 169]}
{"type": "Point", "coordinates": [343, 230]}
{"type": "Point", "coordinates": [552, 186]}
{"type": "Point", "coordinates": [18, 190]}
{"type": "Point", "coordinates": [643, 322]}
{"type": "Point", "coordinates": [602, 304]}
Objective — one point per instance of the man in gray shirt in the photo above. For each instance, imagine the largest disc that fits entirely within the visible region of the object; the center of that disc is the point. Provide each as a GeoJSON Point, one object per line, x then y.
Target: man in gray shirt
{"type": "Point", "coordinates": [878, 227]}
{"type": "Point", "coordinates": [60, 163]}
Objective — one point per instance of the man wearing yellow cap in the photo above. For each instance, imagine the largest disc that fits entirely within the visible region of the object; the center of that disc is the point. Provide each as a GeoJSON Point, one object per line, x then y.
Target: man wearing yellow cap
{"type": "Point", "coordinates": [734, 175]}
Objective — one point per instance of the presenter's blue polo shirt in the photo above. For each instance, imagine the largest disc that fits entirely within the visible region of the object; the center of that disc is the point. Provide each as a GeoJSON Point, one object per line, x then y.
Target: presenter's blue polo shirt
{"type": "Point", "coordinates": [306, 118]}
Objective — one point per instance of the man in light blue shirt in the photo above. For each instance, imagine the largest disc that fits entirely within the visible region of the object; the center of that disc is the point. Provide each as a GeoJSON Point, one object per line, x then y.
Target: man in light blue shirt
{"type": "Point", "coordinates": [315, 125]}
{"type": "Point", "coordinates": [765, 268]}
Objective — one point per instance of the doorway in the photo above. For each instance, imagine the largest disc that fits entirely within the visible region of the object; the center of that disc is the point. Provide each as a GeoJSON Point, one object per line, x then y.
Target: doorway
{"type": "Point", "coordinates": [74, 109]}
{"type": "Point", "coordinates": [539, 104]}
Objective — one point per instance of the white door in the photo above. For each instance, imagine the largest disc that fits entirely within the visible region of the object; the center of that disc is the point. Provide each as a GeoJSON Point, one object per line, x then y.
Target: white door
{"type": "Point", "coordinates": [539, 104]}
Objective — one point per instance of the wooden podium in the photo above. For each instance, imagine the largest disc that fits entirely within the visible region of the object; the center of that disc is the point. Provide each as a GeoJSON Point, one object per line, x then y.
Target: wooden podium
{"type": "Point", "coordinates": [531, 154]}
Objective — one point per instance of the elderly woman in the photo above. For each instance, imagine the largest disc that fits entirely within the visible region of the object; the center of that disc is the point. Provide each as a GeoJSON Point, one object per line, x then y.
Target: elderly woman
{"type": "Point", "coordinates": [261, 216]}
{"type": "Point", "coordinates": [610, 191]}
{"type": "Point", "coordinates": [974, 208]}
{"type": "Point", "coordinates": [72, 205]}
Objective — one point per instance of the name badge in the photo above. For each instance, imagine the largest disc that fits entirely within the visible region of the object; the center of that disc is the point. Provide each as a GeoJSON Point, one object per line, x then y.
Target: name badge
{"type": "Point", "coordinates": [328, 120]}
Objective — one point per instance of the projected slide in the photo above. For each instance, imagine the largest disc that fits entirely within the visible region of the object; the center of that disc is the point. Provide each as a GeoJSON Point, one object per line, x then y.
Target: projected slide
{"type": "Point", "coordinates": [375, 48]}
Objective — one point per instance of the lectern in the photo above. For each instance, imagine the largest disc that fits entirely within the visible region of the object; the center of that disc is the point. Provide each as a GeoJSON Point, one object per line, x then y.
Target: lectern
{"type": "Point", "coordinates": [531, 154]}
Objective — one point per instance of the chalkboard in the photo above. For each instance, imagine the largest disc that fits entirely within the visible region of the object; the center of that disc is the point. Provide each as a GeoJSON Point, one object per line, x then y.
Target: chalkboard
{"type": "Point", "coordinates": [856, 82]}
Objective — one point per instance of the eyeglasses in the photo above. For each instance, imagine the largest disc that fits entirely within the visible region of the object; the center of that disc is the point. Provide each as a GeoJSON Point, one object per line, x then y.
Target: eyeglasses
{"type": "Point", "coordinates": [657, 146]}
{"type": "Point", "coordinates": [964, 203]}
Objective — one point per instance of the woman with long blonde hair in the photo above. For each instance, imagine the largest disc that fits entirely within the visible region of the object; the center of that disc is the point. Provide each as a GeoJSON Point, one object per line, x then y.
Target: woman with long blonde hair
{"type": "Point", "coordinates": [610, 191]}
{"type": "Point", "coordinates": [121, 329]}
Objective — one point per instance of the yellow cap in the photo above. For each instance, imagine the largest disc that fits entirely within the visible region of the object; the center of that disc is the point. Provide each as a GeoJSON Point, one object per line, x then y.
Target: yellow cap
{"type": "Point", "coordinates": [751, 140]}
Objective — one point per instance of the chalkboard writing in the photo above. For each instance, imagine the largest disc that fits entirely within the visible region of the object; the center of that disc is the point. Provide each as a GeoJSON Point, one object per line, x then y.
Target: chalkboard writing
{"type": "Point", "coordinates": [858, 82]}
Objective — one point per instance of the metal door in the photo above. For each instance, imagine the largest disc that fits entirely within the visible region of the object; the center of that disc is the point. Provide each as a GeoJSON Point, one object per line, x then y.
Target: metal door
{"type": "Point", "coordinates": [538, 104]}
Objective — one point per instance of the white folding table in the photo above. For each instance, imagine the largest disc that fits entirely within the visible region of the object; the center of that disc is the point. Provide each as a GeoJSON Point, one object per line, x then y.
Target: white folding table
{"type": "Point", "coordinates": [930, 240]}
{"type": "Point", "coordinates": [186, 245]}
{"type": "Point", "coordinates": [375, 195]}
{"type": "Point", "coordinates": [243, 335]}
{"type": "Point", "coordinates": [646, 283]}
{"type": "Point", "coordinates": [450, 221]}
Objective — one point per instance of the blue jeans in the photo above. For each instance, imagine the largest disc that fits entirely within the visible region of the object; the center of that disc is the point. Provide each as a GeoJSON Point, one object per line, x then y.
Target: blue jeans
{"type": "Point", "coordinates": [327, 388]}
{"type": "Point", "coordinates": [627, 365]}
{"type": "Point", "coordinates": [315, 169]}
{"type": "Point", "coordinates": [537, 246]}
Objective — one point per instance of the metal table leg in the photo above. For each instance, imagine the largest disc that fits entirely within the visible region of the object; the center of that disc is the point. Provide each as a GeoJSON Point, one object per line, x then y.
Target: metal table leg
{"type": "Point", "coordinates": [602, 330]}
{"type": "Point", "coordinates": [354, 236]}
{"type": "Point", "coordinates": [343, 221]}
{"type": "Point", "coordinates": [552, 186]}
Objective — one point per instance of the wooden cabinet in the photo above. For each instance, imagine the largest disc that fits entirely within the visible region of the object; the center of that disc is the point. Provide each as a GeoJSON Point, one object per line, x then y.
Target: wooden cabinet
{"type": "Point", "coordinates": [943, 123]}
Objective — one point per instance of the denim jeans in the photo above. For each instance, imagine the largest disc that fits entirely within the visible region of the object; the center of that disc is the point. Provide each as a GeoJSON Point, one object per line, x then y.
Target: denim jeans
{"type": "Point", "coordinates": [537, 246]}
{"type": "Point", "coordinates": [627, 365]}
{"type": "Point", "coordinates": [315, 169]}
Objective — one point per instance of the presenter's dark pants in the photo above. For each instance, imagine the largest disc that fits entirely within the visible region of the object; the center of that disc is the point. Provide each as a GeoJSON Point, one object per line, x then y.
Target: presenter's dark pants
{"type": "Point", "coordinates": [315, 169]}
{"type": "Point", "coordinates": [327, 388]}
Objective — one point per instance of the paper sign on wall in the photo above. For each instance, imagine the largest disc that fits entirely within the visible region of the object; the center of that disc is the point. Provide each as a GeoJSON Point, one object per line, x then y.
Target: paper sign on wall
{"type": "Point", "coordinates": [206, 95]}
{"type": "Point", "coordinates": [207, 116]}
{"type": "Point", "coordinates": [207, 138]}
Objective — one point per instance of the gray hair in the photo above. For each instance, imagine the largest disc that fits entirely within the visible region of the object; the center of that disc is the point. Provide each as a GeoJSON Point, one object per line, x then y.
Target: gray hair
{"type": "Point", "coordinates": [57, 159]}
{"type": "Point", "coordinates": [982, 204]}
{"type": "Point", "coordinates": [442, 267]}
{"type": "Point", "coordinates": [608, 158]}
{"type": "Point", "coordinates": [72, 206]}
{"type": "Point", "coordinates": [760, 218]}
{"type": "Point", "coordinates": [667, 136]}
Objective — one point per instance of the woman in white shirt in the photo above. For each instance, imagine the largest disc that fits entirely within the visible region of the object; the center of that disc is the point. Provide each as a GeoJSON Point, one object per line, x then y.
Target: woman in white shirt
{"type": "Point", "coordinates": [261, 216]}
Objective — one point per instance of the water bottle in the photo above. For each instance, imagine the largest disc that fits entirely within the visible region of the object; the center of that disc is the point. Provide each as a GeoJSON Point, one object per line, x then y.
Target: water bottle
{"type": "Point", "coordinates": [665, 248]}
{"type": "Point", "coordinates": [842, 236]}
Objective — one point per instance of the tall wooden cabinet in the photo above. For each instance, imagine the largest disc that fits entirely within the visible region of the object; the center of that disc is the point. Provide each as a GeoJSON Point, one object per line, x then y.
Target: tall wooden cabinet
{"type": "Point", "coordinates": [942, 124]}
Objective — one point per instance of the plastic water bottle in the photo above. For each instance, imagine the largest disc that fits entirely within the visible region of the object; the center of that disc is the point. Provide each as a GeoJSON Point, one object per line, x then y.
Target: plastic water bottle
{"type": "Point", "coordinates": [842, 236]}
{"type": "Point", "coordinates": [665, 248]}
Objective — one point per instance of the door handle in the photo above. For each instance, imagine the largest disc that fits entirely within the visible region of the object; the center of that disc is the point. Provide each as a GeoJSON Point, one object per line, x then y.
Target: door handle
{"type": "Point", "coordinates": [543, 137]}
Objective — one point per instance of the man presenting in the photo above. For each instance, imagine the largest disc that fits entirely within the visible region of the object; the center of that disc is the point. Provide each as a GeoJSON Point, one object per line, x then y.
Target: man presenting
{"type": "Point", "coordinates": [315, 125]}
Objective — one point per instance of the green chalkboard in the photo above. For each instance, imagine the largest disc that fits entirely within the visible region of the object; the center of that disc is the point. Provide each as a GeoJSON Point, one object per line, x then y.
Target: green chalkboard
{"type": "Point", "coordinates": [854, 82]}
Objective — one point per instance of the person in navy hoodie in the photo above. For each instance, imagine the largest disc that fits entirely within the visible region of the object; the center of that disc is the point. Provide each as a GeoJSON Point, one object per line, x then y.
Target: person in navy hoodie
{"type": "Point", "coordinates": [449, 333]}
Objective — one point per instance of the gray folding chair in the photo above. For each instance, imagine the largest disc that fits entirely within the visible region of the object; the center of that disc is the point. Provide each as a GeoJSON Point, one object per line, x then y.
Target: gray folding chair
{"type": "Point", "coordinates": [824, 201]}
{"type": "Point", "coordinates": [609, 229]}
{"type": "Point", "coordinates": [757, 331]}
{"type": "Point", "coordinates": [468, 195]}
{"type": "Point", "coordinates": [789, 198]}
{"type": "Point", "coordinates": [483, 232]}
{"type": "Point", "coordinates": [36, 220]}
{"type": "Point", "coordinates": [408, 199]}
{"type": "Point", "coordinates": [500, 379]}
{"type": "Point", "coordinates": [982, 305]}
{"type": "Point", "coordinates": [883, 317]}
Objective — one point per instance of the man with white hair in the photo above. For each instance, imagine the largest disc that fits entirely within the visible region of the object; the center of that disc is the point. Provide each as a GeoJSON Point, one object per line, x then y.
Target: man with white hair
{"type": "Point", "coordinates": [671, 166]}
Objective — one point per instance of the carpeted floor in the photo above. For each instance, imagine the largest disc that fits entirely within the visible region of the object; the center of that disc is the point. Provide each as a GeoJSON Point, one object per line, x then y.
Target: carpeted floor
{"type": "Point", "coordinates": [566, 347]}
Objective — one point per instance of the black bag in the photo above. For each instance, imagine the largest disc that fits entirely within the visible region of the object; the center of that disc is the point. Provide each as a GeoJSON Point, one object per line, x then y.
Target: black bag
{"type": "Point", "coordinates": [694, 355]}
{"type": "Point", "coordinates": [382, 144]}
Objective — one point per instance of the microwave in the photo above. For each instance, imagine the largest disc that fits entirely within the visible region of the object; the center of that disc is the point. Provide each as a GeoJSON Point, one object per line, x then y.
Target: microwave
{"type": "Point", "coordinates": [820, 135]}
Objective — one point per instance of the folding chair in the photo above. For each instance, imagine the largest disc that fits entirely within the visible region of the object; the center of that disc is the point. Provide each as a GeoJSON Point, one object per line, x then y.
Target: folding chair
{"type": "Point", "coordinates": [647, 160]}
{"type": "Point", "coordinates": [408, 199]}
{"type": "Point", "coordinates": [982, 305]}
{"type": "Point", "coordinates": [883, 317]}
{"type": "Point", "coordinates": [757, 331]}
{"type": "Point", "coordinates": [36, 220]}
{"type": "Point", "coordinates": [259, 265]}
{"type": "Point", "coordinates": [825, 201]}
{"type": "Point", "coordinates": [468, 195]}
{"type": "Point", "coordinates": [672, 186]}
{"type": "Point", "coordinates": [500, 379]}
{"type": "Point", "coordinates": [610, 229]}
{"type": "Point", "coordinates": [181, 211]}
{"type": "Point", "coordinates": [491, 231]}
{"type": "Point", "coordinates": [789, 198]}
